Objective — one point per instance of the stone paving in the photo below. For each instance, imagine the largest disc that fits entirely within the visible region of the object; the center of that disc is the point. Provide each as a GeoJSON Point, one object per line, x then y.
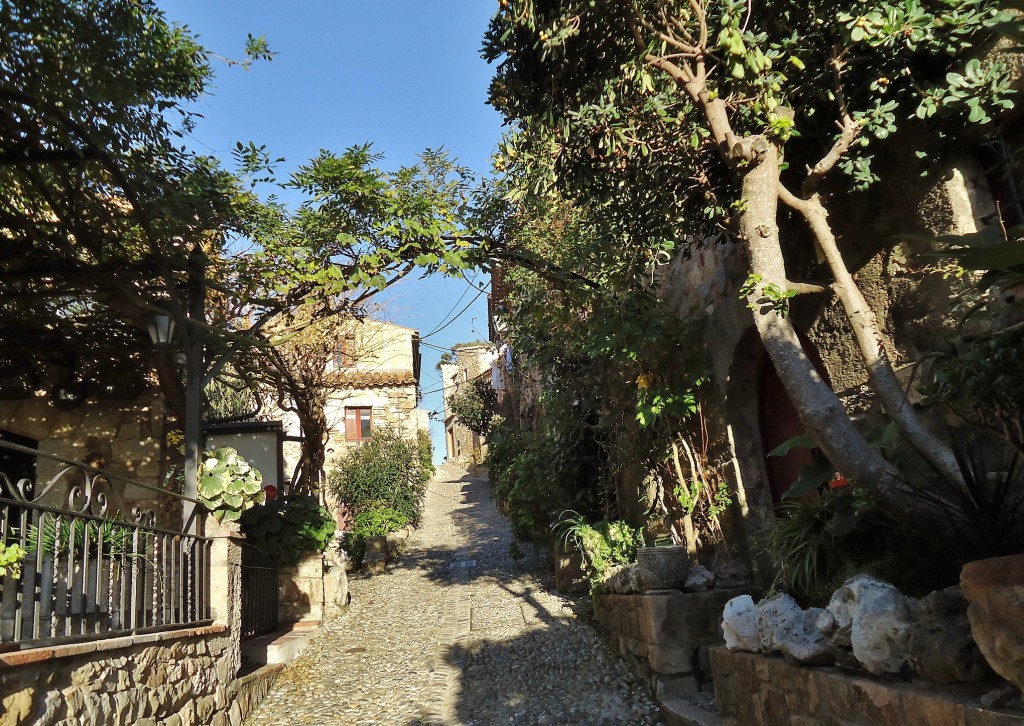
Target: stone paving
{"type": "Point", "coordinates": [459, 631]}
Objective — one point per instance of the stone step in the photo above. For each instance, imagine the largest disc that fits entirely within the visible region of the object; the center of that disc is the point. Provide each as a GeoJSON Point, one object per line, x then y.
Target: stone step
{"type": "Point", "coordinates": [283, 645]}
{"type": "Point", "coordinates": [680, 712]}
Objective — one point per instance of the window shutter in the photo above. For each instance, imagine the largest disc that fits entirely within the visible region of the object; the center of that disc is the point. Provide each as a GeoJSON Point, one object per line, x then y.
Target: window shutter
{"type": "Point", "coordinates": [352, 424]}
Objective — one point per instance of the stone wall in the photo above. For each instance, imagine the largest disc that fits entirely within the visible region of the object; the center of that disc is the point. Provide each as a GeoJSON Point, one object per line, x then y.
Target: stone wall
{"type": "Point", "coordinates": [179, 677]}
{"type": "Point", "coordinates": [301, 590]}
{"type": "Point", "coordinates": [665, 636]}
{"type": "Point", "coordinates": [126, 437]}
{"type": "Point", "coordinates": [756, 689]}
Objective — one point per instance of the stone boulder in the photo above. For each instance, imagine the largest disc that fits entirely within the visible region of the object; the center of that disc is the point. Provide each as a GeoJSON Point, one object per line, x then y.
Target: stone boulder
{"type": "Point", "coordinates": [699, 579]}
{"type": "Point", "coordinates": [872, 620]}
{"type": "Point", "coordinates": [942, 649]}
{"type": "Point", "coordinates": [995, 590]}
{"type": "Point", "coordinates": [784, 627]}
{"type": "Point", "coordinates": [739, 625]}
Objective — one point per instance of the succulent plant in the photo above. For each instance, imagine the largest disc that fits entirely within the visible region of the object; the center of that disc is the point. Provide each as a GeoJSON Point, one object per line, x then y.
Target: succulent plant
{"type": "Point", "coordinates": [228, 484]}
{"type": "Point", "coordinates": [11, 556]}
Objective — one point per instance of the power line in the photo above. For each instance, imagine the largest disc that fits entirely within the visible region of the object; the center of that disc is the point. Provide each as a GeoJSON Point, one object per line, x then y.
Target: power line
{"type": "Point", "coordinates": [464, 293]}
{"type": "Point", "coordinates": [461, 312]}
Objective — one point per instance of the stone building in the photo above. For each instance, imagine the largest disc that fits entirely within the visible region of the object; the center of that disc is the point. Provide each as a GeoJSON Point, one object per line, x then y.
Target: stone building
{"type": "Point", "coordinates": [473, 361]}
{"type": "Point", "coordinates": [376, 374]}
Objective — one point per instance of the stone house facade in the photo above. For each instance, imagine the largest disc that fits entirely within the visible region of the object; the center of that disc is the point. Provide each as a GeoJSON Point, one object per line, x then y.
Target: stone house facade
{"type": "Point", "coordinates": [375, 372]}
{"type": "Point", "coordinates": [473, 361]}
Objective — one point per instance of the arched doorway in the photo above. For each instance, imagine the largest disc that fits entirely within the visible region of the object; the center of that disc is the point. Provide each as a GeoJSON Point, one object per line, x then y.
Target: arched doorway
{"type": "Point", "coordinates": [778, 422]}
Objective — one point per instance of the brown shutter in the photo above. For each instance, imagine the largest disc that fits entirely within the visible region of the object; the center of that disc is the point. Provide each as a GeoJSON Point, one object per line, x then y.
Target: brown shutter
{"type": "Point", "coordinates": [352, 424]}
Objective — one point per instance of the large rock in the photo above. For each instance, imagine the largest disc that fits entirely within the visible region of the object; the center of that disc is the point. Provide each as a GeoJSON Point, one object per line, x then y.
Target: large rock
{"type": "Point", "coordinates": [941, 646]}
{"type": "Point", "coordinates": [739, 625]}
{"type": "Point", "coordinates": [872, 619]}
{"type": "Point", "coordinates": [995, 590]}
{"type": "Point", "coordinates": [784, 627]}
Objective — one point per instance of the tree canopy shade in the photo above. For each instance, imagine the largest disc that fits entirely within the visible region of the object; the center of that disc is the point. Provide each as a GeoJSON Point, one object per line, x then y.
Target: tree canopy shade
{"type": "Point", "coordinates": [677, 123]}
{"type": "Point", "coordinates": [98, 205]}
{"type": "Point", "coordinates": [106, 215]}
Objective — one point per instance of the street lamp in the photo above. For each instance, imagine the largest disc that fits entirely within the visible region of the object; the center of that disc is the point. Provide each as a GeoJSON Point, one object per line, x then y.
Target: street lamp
{"type": "Point", "coordinates": [161, 329]}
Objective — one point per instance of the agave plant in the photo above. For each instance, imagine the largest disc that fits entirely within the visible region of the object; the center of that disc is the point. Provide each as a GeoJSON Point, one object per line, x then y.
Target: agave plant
{"type": "Point", "coordinates": [228, 484]}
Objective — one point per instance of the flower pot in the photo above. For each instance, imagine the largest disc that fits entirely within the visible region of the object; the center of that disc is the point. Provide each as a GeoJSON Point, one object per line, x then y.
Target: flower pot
{"type": "Point", "coordinates": [661, 568]}
{"type": "Point", "coordinates": [995, 590]}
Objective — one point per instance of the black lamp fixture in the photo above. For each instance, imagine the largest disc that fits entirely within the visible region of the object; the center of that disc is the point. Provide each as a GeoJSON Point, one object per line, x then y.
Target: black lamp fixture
{"type": "Point", "coordinates": [161, 329]}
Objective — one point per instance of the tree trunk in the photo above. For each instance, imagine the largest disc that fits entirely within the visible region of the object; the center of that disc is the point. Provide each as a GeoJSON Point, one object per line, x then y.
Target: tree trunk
{"type": "Point", "coordinates": [820, 410]}
{"type": "Point", "coordinates": [871, 344]}
{"type": "Point", "coordinates": [313, 423]}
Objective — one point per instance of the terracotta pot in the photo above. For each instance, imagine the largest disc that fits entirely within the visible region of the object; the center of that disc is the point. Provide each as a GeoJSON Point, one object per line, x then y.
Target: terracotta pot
{"type": "Point", "coordinates": [995, 590]}
{"type": "Point", "coordinates": [661, 568]}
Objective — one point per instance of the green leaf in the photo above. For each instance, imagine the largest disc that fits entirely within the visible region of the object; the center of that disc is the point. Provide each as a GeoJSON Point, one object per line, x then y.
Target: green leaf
{"type": "Point", "coordinates": [812, 477]}
{"type": "Point", "coordinates": [804, 441]}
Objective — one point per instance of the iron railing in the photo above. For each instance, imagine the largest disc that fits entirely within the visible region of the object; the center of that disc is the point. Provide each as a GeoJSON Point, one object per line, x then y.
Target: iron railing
{"type": "Point", "coordinates": [259, 592]}
{"type": "Point", "coordinates": [95, 566]}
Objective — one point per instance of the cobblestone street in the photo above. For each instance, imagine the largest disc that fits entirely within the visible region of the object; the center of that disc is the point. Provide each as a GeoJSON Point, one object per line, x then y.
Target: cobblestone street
{"type": "Point", "coordinates": [459, 631]}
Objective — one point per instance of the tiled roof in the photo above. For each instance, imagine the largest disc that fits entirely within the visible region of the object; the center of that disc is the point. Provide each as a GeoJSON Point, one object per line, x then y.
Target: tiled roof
{"type": "Point", "coordinates": [375, 379]}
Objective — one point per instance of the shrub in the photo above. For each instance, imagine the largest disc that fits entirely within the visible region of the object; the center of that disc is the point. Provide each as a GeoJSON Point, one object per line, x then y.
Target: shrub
{"type": "Point", "coordinates": [287, 529]}
{"type": "Point", "coordinates": [375, 522]}
{"type": "Point", "coordinates": [425, 449]}
{"type": "Point", "coordinates": [818, 543]}
{"type": "Point", "coordinates": [603, 544]}
{"type": "Point", "coordinates": [475, 406]}
{"type": "Point", "coordinates": [386, 472]}
{"type": "Point", "coordinates": [228, 484]}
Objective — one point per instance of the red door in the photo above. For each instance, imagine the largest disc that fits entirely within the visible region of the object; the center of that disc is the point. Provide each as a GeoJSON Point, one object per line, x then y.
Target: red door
{"type": "Point", "coordinates": [779, 422]}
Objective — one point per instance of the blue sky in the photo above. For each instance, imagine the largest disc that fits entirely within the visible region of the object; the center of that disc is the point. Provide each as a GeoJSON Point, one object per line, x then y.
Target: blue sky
{"type": "Point", "coordinates": [403, 74]}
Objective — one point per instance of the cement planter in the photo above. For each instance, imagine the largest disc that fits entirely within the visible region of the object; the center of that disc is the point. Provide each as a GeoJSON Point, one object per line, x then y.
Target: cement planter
{"type": "Point", "coordinates": [995, 590]}
{"type": "Point", "coordinates": [661, 568]}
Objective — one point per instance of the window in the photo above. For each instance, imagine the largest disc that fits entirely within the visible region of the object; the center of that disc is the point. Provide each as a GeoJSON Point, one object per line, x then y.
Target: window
{"type": "Point", "coordinates": [358, 423]}
{"type": "Point", "coordinates": [345, 353]}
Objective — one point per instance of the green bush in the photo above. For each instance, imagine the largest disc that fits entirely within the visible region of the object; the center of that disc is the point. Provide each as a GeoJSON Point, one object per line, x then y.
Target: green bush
{"type": "Point", "coordinates": [603, 544]}
{"type": "Point", "coordinates": [287, 529]}
{"type": "Point", "coordinates": [371, 523]}
{"type": "Point", "coordinates": [818, 543]}
{"type": "Point", "coordinates": [386, 472]}
{"type": "Point", "coordinates": [425, 448]}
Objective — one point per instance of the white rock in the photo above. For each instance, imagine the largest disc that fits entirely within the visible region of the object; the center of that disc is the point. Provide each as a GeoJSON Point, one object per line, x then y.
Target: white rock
{"type": "Point", "coordinates": [784, 627]}
{"type": "Point", "coordinates": [875, 620]}
{"type": "Point", "coordinates": [739, 625]}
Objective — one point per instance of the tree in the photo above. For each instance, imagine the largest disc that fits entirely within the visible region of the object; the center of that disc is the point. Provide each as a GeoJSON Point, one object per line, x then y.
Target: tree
{"type": "Point", "coordinates": [106, 217]}
{"type": "Point", "coordinates": [690, 120]}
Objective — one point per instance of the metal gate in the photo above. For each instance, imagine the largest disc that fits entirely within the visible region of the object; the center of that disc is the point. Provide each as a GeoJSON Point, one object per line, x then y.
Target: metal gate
{"type": "Point", "coordinates": [259, 592]}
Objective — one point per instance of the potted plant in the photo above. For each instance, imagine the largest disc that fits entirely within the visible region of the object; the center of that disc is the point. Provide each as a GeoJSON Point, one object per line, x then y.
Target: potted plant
{"type": "Point", "coordinates": [228, 484]}
{"type": "Point", "coordinates": [664, 566]}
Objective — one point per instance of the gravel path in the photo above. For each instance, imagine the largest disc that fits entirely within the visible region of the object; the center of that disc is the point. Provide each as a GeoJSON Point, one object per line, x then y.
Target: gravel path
{"type": "Point", "coordinates": [459, 631]}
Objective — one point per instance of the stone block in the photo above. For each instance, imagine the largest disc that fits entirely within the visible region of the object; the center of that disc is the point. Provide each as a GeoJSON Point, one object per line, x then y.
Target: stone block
{"type": "Point", "coordinates": [694, 617]}
{"type": "Point", "coordinates": [17, 707]}
{"type": "Point", "coordinates": [669, 687]}
{"type": "Point", "coordinates": [374, 565]}
{"type": "Point", "coordinates": [924, 708]}
{"type": "Point", "coordinates": [875, 702]}
{"type": "Point", "coordinates": [205, 708]}
{"type": "Point", "coordinates": [638, 648]}
{"type": "Point", "coordinates": [376, 545]}
{"type": "Point", "coordinates": [671, 659]}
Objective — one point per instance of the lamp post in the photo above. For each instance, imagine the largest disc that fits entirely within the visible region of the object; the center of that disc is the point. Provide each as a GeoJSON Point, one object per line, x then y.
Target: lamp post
{"type": "Point", "coordinates": [161, 331]}
{"type": "Point", "coordinates": [196, 373]}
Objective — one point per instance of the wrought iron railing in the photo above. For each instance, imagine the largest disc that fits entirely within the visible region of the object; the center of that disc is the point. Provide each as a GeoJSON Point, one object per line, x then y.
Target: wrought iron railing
{"type": "Point", "coordinates": [95, 566]}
